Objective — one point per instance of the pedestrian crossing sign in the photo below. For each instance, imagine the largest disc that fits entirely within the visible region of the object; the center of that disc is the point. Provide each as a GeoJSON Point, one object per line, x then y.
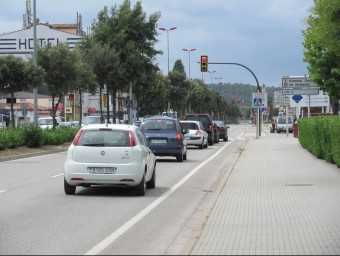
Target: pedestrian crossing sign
{"type": "Point", "coordinates": [257, 102]}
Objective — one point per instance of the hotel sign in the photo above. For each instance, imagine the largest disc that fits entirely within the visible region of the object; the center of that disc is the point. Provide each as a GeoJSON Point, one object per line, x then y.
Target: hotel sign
{"type": "Point", "coordinates": [21, 42]}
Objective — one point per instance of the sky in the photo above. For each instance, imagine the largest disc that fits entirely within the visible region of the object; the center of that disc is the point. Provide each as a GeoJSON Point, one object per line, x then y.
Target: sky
{"type": "Point", "coordinates": [263, 35]}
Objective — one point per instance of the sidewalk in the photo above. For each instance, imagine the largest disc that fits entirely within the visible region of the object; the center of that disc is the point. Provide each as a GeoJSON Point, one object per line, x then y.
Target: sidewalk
{"type": "Point", "coordinates": [278, 200]}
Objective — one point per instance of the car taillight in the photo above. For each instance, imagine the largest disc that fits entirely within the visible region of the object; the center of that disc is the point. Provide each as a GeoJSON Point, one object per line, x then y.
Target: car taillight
{"type": "Point", "coordinates": [209, 127]}
{"type": "Point", "coordinates": [77, 138]}
{"type": "Point", "coordinates": [198, 133]}
{"type": "Point", "coordinates": [179, 137]}
{"type": "Point", "coordinates": [132, 137]}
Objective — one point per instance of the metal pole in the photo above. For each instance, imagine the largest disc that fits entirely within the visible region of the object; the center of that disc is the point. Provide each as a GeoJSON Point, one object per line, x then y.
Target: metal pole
{"type": "Point", "coordinates": [35, 90]}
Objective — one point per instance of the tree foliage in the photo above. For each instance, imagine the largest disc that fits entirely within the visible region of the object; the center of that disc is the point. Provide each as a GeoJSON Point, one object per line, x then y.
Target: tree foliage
{"type": "Point", "coordinates": [322, 47]}
{"type": "Point", "coordinates": [62, 71]}
{"type": "Point", "coordinates": [17, 75]}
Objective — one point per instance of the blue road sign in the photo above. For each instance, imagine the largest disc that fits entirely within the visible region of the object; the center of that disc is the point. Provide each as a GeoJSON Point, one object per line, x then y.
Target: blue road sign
{"type": "Point", "coordinates": [257, 102]}
{"type": "Point", "coordinates": [297, 98]}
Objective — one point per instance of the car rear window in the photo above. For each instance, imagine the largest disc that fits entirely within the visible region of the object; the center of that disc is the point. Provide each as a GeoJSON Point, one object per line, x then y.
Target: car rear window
{"type": "Point", "coordinates": [159, 125]}
{"type": "Point", "coordinates": [205, 120]}
{"type": "Point", "coordinates": [104, 138]}
{"type": "Point", "coordinates": [189, 126]}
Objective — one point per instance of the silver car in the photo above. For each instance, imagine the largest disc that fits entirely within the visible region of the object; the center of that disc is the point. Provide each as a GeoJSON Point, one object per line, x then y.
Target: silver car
{"type": "Point", "coordinates": [196, 135]}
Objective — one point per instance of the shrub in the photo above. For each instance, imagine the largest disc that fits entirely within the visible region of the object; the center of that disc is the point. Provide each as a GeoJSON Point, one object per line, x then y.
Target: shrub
{"type": "Point", "coordinates": [32, 135]}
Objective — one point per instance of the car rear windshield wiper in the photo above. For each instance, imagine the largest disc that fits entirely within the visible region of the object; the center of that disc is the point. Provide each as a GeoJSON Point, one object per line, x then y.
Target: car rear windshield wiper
{"type": "Point", "coordinates": [95, 144]}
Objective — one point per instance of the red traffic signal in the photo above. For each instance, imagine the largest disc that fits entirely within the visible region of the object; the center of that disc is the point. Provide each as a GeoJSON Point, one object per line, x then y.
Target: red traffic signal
{"type": "Point", "coordinates": [204, 63]}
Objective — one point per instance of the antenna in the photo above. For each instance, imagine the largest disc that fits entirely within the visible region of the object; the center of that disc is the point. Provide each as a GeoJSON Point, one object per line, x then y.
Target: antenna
{"type": "Point", "coordinates": [28, 17]}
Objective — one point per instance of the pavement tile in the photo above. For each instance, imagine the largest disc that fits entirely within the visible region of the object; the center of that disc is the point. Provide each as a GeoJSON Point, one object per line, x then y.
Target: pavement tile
{"type": "Point", "coordinates": [278, 200]}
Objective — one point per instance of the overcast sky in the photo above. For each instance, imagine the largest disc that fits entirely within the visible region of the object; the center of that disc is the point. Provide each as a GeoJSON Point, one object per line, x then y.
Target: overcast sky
{"type": "Point", "coordinates": [263, 35]}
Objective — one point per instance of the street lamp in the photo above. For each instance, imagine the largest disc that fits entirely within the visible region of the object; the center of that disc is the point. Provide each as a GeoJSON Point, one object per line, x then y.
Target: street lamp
{"type": "Point", "coordinates": [211, 72]}
{"type": "Point", "coordinates": [189, 57]}
{"type": "Point", "coordinates": [201, 72]}
{"type": "Point", "coordinates": [167, 36]}
{"type": "Point", "coordinates": [218, 79]}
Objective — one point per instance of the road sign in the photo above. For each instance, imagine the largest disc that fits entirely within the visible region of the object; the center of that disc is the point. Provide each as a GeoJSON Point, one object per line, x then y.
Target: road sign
{"type": "Point", "coordinates": [297, 98]}
{"type": "Point", "coordinates": [259, 99]}
{"type": "Point", "coordinates": [303, 91]}
{"type": "Point", "coordinates": [321, 100]}
{"type": "Point", "coordinates": [257, 102]}
{"type": "Point", "coordinates": [297, 81]}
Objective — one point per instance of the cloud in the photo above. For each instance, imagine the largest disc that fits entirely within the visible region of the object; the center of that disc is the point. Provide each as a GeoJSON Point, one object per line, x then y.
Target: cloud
{"type": "Point", "coordinates": [264, 35]}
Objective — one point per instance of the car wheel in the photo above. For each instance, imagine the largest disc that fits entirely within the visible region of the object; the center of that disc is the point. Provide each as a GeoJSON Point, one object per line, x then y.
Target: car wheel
{"type": "Point", "coordinates": [179, 158]}
{"type": "Point", "coordinates": [152, 183]}
{"type": "Point", "coordinates": [202, 145]}
{"type": "Point", "coordinates": [185, 155]}
{"type": "Point", "coordinates": [140, 189]}
{"type": "Point", "coordinates": [211, 142]}
{"type": "Point", "coordinates": [225, 139]}
{"type": "Point", "coordinates": [69, 189]}
{"type": "Point", "coordinates": [206, 145]}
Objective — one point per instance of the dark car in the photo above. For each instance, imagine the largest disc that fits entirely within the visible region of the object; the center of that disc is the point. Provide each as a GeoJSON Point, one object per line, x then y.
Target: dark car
{"type": "Point", "coordinates": [206, 120]}
{"type": "Point", "coordinates": [216, 133]}
{"type": "Point", "coordinates": [223, 129]}
{"type": "Point", "coordinates": [165, 136]}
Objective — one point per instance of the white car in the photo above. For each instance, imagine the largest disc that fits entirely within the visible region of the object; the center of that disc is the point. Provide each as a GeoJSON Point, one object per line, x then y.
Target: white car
{"type": "Point", "coordinates": [196, 135]}
{"type": "Point", "coordinates": [110, 154]}
{"type": "Point", "coordinates": [47, 122]}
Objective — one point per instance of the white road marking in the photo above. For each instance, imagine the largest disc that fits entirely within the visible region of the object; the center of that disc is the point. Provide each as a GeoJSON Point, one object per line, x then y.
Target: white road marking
{"type": "Point", "coordinates": [125, 227]}
{"type": "Point", "coordinates": [3, 191]}
{"type": "Point", "coordinates": [54, 176]}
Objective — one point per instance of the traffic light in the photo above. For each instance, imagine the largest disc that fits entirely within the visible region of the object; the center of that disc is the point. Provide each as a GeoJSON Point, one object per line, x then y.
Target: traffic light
{"type": "Point", "coordinates": [204, 63]}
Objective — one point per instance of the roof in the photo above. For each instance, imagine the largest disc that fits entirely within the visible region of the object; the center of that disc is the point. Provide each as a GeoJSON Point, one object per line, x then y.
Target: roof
{"type": "Point", "coordinates": [19, 106]}
{"type": "Point", "coordinates": [23, 95]}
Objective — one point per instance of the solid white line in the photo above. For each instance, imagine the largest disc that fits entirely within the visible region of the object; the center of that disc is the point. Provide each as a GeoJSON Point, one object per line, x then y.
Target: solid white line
{"type": "Point", "coordinates": [2, 191]}
{"type": "Point", "coordinates": [125, 227]}
{"type": "Point", "coordinates": [54, 176]}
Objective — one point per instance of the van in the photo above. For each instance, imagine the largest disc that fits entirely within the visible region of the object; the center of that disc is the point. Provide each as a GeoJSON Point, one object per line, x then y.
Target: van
{"type": "Point", "coordinates": [281, 125]}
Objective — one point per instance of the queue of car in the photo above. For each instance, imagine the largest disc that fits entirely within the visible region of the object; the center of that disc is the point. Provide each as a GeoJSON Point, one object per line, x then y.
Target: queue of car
{"type": "Point", "coordinates": [124, 155]}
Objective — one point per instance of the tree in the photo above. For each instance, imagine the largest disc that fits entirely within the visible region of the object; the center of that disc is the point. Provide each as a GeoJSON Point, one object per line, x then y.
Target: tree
{"type": "Point", "coordinates": [129, 31]}
{"type": "Point", "coordinates": [61, 65]}
{"type": "Point", "coordinates": [106, 66]}
{"type": "Point", "coordinates": [322, 47]}
{"type": "Point", "coordinates": [87, 79]}
{"type": "Point", "coordinates": [18, 75]}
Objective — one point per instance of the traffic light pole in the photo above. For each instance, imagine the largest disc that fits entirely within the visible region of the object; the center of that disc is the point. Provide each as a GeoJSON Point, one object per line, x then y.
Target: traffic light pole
{"type": "Point", "coordinates": [258, 126]}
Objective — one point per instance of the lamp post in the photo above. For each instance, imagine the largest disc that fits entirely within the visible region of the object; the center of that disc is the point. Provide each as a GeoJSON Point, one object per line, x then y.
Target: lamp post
{"type": "Point", "coordinates": [201, 72]}
{"type": "Point", "coordinates": [35, 90]}
{"type": "Point", "coordinates": [167, 36]}
{"type": "Point", "coordinates": [218, 79]}
{"type": "Point", "coordinates": [189, 51]}
{"type": "Point", "coordinates": [211, 72]}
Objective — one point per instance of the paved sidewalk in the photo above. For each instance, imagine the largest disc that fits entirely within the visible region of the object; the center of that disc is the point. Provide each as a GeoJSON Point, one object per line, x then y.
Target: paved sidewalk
{"type": "Point", "coordinates": [278, 200]}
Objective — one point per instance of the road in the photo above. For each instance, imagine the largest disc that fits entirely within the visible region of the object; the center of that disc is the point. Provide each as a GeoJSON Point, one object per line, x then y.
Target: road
{"type": "Point", "coordinates": [36, 217]}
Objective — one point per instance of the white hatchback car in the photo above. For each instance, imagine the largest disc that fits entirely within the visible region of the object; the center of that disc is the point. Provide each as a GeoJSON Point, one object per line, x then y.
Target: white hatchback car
{"type": "Point", "coordinates": [110, 154]}
{"type": "Point", "coordinates": [196, 135]}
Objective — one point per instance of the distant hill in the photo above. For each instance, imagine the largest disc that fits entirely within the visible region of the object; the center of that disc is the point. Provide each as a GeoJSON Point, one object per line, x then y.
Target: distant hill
{"type": "Point", "coordinates": [242, 93]}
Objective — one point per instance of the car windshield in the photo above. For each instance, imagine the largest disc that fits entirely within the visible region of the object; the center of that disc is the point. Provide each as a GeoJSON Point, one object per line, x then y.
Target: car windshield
{"type": "Point", "coordinates": [104, 138]}
{"type": "Point", "coordinates": [159, 125]}
{"type": "Point", "coordinates": [282, 120]}
{"type": "Point", "coordinates": [45, 122]}
{"type": "Point", "coordinates": [91, 120]}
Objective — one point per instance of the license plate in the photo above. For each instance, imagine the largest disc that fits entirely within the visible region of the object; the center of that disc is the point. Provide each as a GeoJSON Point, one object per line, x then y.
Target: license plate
{"type": "Point", "coordinates": [158, 141]}
{"type": "Point", "coordinates": [102, 170]}
{"type": "Point", "coordinates": [187, 138]}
